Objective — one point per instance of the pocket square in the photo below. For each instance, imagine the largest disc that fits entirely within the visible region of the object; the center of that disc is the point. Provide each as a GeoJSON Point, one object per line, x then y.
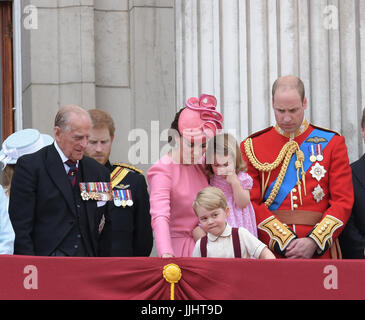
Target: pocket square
{"type": "Point", "coordinates": [100, 203]}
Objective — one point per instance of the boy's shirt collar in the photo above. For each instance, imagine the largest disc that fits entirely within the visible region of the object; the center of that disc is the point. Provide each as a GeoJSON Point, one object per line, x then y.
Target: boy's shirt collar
{"type": "Point", "coordinates": [226, 233]}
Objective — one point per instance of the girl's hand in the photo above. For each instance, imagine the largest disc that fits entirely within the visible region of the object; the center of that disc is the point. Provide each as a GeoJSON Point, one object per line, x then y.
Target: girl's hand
{"type": "Point", "coordinates": [232, 178]}
{"type": "Point", "coordinates": [167, 255]}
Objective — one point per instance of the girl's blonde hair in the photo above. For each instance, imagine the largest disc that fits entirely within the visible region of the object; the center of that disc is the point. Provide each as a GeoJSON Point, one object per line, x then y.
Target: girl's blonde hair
{"type": "Point", "coordinates": [7, 176]}
{"type": "Point", "coordinates": [226, 145]}
{"type": "Point", "coordinates": [210, 198]}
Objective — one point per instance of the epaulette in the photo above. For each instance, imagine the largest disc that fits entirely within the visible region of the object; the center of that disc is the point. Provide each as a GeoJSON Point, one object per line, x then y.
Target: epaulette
{"type": "Point", "coordinates": [258, 133]}
{"type": "Point", "coordinates": [325, 129]}
{"type": "Point", "coordinates": [128, 166]}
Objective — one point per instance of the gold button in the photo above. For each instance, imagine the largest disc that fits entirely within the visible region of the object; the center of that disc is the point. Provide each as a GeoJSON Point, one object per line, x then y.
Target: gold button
{"type": "Point", "coordinates": [294, 190]}
{"type": "Point", "coordinates": [295, 206]}
{"type": "Point", "coordinates": [295, 198]}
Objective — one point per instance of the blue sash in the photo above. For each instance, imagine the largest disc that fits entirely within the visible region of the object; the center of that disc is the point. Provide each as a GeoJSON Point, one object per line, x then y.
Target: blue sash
{"type": "Point", "coordinates": [290, 179]}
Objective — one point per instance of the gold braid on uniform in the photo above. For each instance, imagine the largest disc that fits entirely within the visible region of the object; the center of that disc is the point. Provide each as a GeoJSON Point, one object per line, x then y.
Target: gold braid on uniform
{"type": "Point", "coordinates": [284, 157]}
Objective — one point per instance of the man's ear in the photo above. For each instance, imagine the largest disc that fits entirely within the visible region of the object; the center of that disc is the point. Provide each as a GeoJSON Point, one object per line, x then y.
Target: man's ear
{"type": "Point", "coordinates": [57, 132]}
{"type": "Point", "coordinates": [305, 103]}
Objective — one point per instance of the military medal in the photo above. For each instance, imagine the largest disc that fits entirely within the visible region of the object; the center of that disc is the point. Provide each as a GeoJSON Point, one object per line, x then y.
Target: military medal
{"type": "Point", "coordinates": [117, 198]}
{"type": "Point", "coordinates": [318, 172]}
{"type": "Point", "coordinates": [123, 201]}
{"type": "Point", "coordinates": [318, 193]}
{"type": "Point", "coordinates": [129, 198]}
{"type": "Point", "coordinates": [99, 191]}
{"type": "Point", "coordinates": [84, 194]}
{"type": "Point", "coordinates": [319, 153]}
{"type": "Point", "coordinates": [312, 158]}
{"type": "Point", "coordinates": [117, 202]}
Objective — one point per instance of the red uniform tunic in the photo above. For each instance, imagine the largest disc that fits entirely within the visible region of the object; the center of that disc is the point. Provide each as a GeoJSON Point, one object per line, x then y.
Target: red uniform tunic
{"type": "Point", "coordinates": [334, 202]}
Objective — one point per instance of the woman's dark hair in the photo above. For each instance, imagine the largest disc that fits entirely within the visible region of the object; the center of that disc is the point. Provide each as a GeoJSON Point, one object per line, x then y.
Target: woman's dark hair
{"type": "Point", "coordinates": [363, 119]}
{"type": "Point", "coordinates": [174, 128]}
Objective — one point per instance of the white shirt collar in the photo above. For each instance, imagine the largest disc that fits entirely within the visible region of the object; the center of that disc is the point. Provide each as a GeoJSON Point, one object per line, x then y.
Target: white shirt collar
{"type": "Point", "coordinates": [62, 155]}
{"type": "Point", "coordinates": [226, 233]}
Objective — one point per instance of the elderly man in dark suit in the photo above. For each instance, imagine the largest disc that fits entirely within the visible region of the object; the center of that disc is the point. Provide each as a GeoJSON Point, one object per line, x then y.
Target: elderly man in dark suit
{"type": "Point", "coordinates": [130, 210]}
{"type": "Point", "coordinates": [49, 216]}
{"type": "Point", "coordinates": [353, 237]}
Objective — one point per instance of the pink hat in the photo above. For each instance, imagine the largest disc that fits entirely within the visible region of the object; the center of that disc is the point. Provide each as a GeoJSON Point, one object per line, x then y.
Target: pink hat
{"type": "Point", "coordinates": [200, 119]}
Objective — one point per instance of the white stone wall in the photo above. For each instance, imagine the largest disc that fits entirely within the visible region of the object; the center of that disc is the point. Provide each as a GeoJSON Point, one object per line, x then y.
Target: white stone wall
{"type": "Point", "coordinates": [58, 60]}
{"type": "Point", "coordinates": [140, 60]}
{"type": "Point", "coordinates": [116, 55]}
{"type": "Point", "coordinates": [235, 50]}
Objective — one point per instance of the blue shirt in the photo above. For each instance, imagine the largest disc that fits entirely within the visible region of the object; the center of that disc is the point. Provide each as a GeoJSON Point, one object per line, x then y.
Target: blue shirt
{"type": "Point", "coordinates": [7, 234]}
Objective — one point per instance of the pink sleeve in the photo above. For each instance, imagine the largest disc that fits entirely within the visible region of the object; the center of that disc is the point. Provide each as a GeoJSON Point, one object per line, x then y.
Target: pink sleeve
{"type": "Point", "coordinates": [246, 180]}
{"type": "Point", "coordinates": [159, 183]}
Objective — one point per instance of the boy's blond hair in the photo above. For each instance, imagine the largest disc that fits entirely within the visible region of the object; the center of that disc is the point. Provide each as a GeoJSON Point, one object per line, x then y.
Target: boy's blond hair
{"type": "Point", "coordinates": [210, 198]}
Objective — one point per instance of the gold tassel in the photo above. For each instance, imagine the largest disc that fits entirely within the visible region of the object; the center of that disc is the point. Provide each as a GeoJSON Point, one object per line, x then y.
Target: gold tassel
{"type": "Point", "coordinates": [172, 274]}
{"type": "Point", "coordinates": [301, 158]}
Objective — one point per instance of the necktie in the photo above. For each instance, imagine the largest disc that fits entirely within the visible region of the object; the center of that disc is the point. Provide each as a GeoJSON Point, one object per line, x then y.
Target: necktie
{"type": "Point", "coordinates": [72, 171]}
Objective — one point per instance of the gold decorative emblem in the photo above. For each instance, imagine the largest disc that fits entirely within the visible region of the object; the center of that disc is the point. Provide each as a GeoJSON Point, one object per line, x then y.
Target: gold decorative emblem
{"type": "Point", "coordinates": [277, 231]}
{"type": "Point", "coordinates": [324, 230]}
{"type": "Point", "coordinates": [318, 193]}
{"type": "Point", "coordinates": [316, 140]}
{"type": "Point", "coordinates": [318, 172]}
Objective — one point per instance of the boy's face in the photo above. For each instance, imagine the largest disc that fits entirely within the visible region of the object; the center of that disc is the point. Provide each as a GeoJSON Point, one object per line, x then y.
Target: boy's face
{"type": "Point", "coordinates": [213, 221]}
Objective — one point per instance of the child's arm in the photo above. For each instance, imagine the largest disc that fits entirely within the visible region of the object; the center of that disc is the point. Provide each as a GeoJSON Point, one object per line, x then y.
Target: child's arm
{"type": "Point", "coordinates": [198, 233]}
{"type": "Point", "coordinates": [241, 196]}
{"type": "Point", "coordinates": [266, 254]}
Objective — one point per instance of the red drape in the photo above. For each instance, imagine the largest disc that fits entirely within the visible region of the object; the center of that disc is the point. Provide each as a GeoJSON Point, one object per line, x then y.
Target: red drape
{"type": "Point", "coordinates": [26, 277]}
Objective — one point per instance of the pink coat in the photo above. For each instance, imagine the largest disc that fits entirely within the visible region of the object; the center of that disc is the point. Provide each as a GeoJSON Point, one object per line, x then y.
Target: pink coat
{"type": "Point", "coordinates": [173, 188]}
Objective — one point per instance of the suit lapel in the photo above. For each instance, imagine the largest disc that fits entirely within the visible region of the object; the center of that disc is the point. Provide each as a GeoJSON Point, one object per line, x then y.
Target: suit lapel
{"type": "Point", "coordinates": [57, 173]}
{"type": "Point", "coordinates": [359, 170]}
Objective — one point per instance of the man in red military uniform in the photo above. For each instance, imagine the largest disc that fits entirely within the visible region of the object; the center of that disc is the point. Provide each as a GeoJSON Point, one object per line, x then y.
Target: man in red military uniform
{"type": "Point", "coordinates": [302, 192]}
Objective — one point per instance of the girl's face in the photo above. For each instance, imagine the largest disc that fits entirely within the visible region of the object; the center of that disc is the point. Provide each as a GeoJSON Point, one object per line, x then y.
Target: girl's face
{"type": "Point", "coordinates": [223, 165]}
{"type": "Point", "coordinates": [213, 221]}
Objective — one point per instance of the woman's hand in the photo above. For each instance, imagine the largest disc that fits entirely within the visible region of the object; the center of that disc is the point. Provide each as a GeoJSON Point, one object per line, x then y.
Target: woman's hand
{"type": "Point", "coordinates": [198, 233]}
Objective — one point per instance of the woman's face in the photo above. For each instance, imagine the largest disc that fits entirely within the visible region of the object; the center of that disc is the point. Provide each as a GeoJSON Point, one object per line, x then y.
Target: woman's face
{"type": "Point", "coordinates": [191, 151]}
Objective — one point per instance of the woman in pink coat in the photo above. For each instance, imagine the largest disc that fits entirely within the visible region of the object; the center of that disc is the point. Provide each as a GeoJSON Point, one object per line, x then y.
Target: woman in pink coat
{"type": "Point", "coordinates": [178, 176]}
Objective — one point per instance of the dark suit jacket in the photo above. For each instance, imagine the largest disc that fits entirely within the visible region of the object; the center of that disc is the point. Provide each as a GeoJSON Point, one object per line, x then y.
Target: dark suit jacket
{"type": "Point", "coordinates": [42, 208]}
{"type": "Point", "coordinates": [132, 231]}
{"type": "Point", "coordinates": [352, 239]}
